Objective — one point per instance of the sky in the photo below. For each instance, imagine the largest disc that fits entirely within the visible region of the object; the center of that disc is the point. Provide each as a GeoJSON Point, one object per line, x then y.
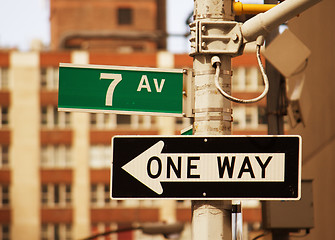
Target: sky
{"type": "Point", "coordinates": [22, 21]}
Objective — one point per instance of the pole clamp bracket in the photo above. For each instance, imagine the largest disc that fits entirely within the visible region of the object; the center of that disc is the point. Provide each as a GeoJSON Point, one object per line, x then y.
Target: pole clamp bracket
{"type": "Point", "coordinates": [216, 37]}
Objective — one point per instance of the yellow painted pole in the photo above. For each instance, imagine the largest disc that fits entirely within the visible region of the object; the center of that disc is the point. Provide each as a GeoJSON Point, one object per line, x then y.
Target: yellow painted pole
{"type": "Point", "coordinates": [240, 8]}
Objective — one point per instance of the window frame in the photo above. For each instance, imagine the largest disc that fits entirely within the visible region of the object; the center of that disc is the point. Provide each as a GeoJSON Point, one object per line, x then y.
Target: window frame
{"type": "Point", "coordinates": [52, 118]}
{"type": "Point", "coordinates": [4, 195]}
{"type": "Point", "coordinates": [4, 156]}
{"type": "Point", "coordinates": [56, 195]}
{"type": "Point", "coordinates": [125, 16]}
{"type": "Point", "coordinates": [5, 235]}
{"type": "Point", "coordinates": [50, 230]}
{"type": "Point", "coordinates": [100, 196]}
{"type": "Point", "coordinates": [49, 78]}
{"type": "Point", "coordinates": [4, 78]}
{"type": "Point", "coordinates": [4, 116]}
{"type": "Point", "coordinates": [100, 156]}
{"type": "Point", "coordinates": [56, 156]}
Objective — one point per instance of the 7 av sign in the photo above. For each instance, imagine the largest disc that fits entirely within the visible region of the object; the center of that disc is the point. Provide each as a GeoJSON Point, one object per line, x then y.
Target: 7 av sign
{"type": "Point", "coordinates": [98, 88]}
{"type": "Point", "coordinates": [198, 167]}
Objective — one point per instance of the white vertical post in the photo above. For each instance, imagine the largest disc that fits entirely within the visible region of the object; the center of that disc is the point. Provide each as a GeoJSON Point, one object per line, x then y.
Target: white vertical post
{"type": "Point", "coordinates": [25, 151]}
{"type": "Point", "coordinates": [81, 146]}
{"type": "Point", "coordinates": [211, 220]}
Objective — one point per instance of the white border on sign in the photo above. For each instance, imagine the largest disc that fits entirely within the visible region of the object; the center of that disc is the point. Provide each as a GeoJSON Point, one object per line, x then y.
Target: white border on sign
{"type": "Point", "coordinates": [120, 112]}
{"type": "Point", "coordinates": [124, 68]}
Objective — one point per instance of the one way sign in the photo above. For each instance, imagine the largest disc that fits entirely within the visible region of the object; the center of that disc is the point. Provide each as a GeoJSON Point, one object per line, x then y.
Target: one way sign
{"type": "Point", "coordinates": [203, 167]}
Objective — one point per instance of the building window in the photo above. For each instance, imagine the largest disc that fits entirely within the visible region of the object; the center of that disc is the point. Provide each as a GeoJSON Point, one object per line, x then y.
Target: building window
{"type": "Point", "coordinates": [246, 79]}
{"type": "Point", "coordinates": [4, 192]}
{"type": "Point", "coordinates": [184, 204]}
{"type": "Point", "coordinates": [49, 78]}
{"type": "Point", "coordinates": [107, 198]}
{"type": "Point", "coordinates": [56, 195]}
{"type": "Point", "coordinates": [103, 120]}
{"type": "Point", "coordinates": [4, 78]}
{"type": "Point", "coordinates": [4, 116]}
{"type": "Point", "coordinates": [135, 121]}
{"type": "Point", "coordinates": [238, 79]}
{"type": "Point", "coordinates": [252, 78]}
{"type": "Point", "coordinates": [51, 118]}
{"type": "Point", "coordinates": [251, 117]}
{"type": "Point", "coordinates": [56, 231]}
{"type": "Point", "coordinates": [102, 227]}
{"type": "Point", "coordinates": [4, 232]}
{"type": "Point", "coordinates": [239, 117]}
{"type": "Point", "coordinates": [100, 156]}
{"type": "Point", "coordinates": [56, 156]}
{"type": "Point", "coordinates": [123, 119]}
{"type": "Point", "coordinates": [94, 194]}
{"type": "Point", "coordinates": [100, 196]}
{"type": "Point", "coordinates": [4, 156]}
{"type": "Point", "coordinates": [125, 16]}
{"type": "Point", "coordinates": [139, 122]}
{"type": "Point", "coordinates": [246, 117]}
{"type": "Point", "coordinates": [111, 121]}
{"type": "Point", "coordinates": [262, 116]}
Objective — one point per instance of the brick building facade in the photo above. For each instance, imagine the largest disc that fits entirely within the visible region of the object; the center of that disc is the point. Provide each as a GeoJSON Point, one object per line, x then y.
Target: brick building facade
{"type": "Point", "coordinates": [112, 25]}
{"type": "Point", "coordinates": [54, 168]}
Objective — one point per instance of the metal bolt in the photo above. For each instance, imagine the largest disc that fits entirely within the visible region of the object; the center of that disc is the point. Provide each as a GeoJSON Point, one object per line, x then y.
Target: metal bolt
{"type": "Point", "coordinates": [235, 37]}
{"type": "Point", "coordinates": [203, 45]}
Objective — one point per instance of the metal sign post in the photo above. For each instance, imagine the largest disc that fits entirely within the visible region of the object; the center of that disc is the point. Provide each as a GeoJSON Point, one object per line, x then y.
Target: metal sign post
{"type": "Point", "coordinates": [215, 39]}
{"type": "Point", "coordinates": [211, 219]}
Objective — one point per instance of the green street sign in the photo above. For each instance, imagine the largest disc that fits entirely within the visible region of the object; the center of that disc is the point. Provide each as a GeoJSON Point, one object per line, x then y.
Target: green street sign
{"type": "Point", "coordinates": [127, 90]}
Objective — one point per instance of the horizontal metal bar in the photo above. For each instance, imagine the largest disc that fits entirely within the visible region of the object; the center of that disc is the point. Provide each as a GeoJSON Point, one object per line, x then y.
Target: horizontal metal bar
{"type": "Point", "coordinates": [240, 8]}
